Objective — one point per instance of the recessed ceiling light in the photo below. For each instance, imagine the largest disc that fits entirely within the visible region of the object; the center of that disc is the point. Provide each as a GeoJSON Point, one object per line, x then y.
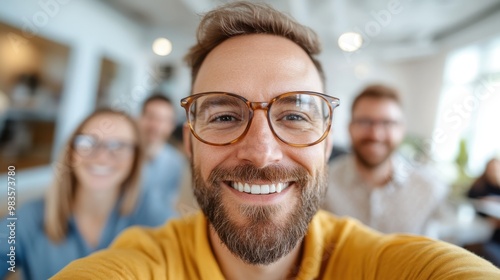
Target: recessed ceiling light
{"type": "Point", "coordinates": [350, 41]}
{"type": "Point", "coordinates": [162, 46]}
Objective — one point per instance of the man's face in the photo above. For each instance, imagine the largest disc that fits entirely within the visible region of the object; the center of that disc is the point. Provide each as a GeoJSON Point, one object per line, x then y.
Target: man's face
{"type": "Point", "coordinates": [157, 121]}
{"type": "Point", "coordinates": [376, 130]}
{"type": "Point", "coordinates": [258, 228]}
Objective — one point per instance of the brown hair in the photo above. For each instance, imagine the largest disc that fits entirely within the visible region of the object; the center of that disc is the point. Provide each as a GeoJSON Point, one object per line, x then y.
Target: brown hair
{"type": "Point", "coordinates": [377, 91]}
{"type": "Point", "coordinates": [157, 96]}
{"type": "Point", "coordinates": [60, 197]}
{"type": "Point", "coordinates": [244, 18]}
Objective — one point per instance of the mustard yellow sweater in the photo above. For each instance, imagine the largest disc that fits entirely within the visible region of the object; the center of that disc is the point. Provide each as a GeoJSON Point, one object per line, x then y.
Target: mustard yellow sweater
{"type": "Point", "coordinates": [334, 249]}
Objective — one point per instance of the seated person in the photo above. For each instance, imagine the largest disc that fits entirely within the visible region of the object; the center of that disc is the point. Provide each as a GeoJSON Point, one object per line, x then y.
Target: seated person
{"type": "Point", "coordinates": [374, 184]}
{"type": "Point", "coordinates": [257, 135]}
{"type": "Point", "coordinates": [489, 182]}
{"type": "Point", "coordinates": [164, 164]}
{"type": "Point", "coordinates": [486, 185]}
{"type": "Point", "coordinates": [92, 199]}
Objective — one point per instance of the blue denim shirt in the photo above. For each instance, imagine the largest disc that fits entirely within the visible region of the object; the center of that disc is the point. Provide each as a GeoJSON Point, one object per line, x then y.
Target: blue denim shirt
{"type": "Point", "coordinates": [161, 179]}
{"type": "Point", "coordinates": [39, 257]}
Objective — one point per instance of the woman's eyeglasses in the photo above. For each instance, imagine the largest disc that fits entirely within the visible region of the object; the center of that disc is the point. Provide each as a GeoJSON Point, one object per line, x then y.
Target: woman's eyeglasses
{"type": "Point", "coordinates": [86, 145]}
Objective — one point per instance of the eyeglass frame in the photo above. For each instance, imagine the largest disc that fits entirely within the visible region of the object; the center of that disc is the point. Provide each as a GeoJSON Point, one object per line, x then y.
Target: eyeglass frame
{"type": "Point", "coordinates": [186, 103]}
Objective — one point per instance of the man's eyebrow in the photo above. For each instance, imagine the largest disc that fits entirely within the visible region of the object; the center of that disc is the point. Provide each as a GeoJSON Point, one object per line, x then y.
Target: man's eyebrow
{"type": "Point", "coordinates": [219, 101]}
{"type": "Point", "coordinates": [293, 100]}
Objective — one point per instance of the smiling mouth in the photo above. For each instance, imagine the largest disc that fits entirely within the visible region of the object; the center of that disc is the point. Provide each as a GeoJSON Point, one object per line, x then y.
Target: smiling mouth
{"type": "Point", "coordinates": [100, 170]}
{"type": "Point", "coordinates": [259, 189]}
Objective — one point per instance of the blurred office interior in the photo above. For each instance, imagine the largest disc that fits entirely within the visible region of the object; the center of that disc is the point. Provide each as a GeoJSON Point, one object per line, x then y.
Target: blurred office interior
{"type": "Point", "coordinates": [61, 59]}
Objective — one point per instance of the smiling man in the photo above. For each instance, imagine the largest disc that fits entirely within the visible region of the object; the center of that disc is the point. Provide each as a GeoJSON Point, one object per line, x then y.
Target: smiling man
{"type": "Point", "coordinates": [258, 139]}
{"type": "Point", "coordinates": [375, 184]}
{"type": "Point", "coordinates": [258, 173]}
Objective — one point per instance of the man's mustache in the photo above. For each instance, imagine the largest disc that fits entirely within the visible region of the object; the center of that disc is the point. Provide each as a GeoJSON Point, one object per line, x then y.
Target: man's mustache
{"type": "Point", "coordinates": [248, 172]}
{"type": "Point", "coordinates": [369, 141]}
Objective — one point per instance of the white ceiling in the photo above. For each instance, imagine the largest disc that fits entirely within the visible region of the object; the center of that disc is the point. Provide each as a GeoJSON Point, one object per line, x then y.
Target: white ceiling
{"type": "Point", "coordinates": [417, 28]}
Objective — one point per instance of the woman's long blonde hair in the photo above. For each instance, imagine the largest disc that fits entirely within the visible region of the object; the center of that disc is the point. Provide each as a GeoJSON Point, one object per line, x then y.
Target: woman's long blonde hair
{"type": "Point", "coordinates": [60, 197]}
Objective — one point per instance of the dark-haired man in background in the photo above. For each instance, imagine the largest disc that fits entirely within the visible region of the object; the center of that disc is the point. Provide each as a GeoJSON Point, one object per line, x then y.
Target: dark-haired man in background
{"type": "Point", "coordinates": [164, 164]}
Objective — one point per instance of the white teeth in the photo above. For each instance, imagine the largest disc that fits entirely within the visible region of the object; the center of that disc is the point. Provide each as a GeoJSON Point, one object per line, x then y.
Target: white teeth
{"type": "Point", "coordinates": [100, 170]}
{"type": "Point", "coordinates": [255, 189]}
{"type": "Point", "coordinates": [264, 189]}
{"type": "Point", "coordinates": [259, 189]}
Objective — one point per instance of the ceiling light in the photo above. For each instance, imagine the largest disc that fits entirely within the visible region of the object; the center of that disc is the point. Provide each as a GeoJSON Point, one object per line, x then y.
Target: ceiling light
{"type": "Point", "coordinates": [350, 41]}
{"type": "Point", "coordinates": [162, 47]}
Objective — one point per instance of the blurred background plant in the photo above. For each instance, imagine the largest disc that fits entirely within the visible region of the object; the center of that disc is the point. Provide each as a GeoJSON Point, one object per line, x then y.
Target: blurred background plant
{"type": "Point", "coordinates": [463, 180]}
{"type": "Point", "coordinates": [415, 148]}
{"type": "Point", "coordinates": [456, 173]}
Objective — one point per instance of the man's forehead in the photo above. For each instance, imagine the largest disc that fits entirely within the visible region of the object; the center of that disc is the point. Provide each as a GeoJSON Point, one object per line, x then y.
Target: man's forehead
{"type": "Point", "coordinates": [257, 62]}
{"type": "Point", "coordinates": [158, 106]}
{"type": "Point", "coordinates": [262, 44]}
{"type": "Point", "coordinates": [377, 107]}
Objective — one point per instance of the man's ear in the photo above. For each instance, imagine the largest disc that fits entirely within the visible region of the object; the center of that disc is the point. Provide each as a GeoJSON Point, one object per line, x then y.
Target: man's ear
{"type": "Point", "coordinates": [350, 130]}
{"type": "Point", "coordinates": [186, 135]}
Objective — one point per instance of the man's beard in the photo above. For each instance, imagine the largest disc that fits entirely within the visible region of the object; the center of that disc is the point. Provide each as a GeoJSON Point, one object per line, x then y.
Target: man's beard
{"type": "Point", "coordinates": [371, 162]}
{"type": "Point", "coordinates": [261, 239]}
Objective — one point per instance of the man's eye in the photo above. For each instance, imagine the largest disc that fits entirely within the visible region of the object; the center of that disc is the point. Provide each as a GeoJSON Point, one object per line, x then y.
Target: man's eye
{"type": "Point", "coordinates": [293, 117]}
{"type": "Point", "coordinates": [224, 118]}
{"type": "Point", "coordinates": [365, 122]}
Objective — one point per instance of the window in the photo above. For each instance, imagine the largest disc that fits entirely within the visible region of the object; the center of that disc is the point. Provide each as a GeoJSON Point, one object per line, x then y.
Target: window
{"type": "Point", "coordinates": [469, 108]}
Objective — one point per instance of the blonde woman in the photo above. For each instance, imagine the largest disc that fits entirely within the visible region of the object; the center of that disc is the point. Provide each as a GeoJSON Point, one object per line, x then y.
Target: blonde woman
{"type": "Point", "coordinates": [94, 197]}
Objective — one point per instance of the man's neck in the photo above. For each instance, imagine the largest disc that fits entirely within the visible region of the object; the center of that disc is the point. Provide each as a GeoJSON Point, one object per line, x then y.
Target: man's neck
{"type": "Point", "coordinates": [153, 149]}
{"type": "Point", "coordinates": [233, 267]}
{"type": "Point", "coordinates": [376, 176]}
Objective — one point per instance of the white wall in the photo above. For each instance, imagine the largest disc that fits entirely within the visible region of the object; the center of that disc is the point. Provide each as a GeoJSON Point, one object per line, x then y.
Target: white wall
{"type": "Point", "coordinates": [420, 82]}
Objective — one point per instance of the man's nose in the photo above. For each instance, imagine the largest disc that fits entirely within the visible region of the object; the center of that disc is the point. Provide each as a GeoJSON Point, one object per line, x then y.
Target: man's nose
{"type": "Point", "coordinates": [376, 131]}
{"type": "Point", "coordinates": [260, 146]}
